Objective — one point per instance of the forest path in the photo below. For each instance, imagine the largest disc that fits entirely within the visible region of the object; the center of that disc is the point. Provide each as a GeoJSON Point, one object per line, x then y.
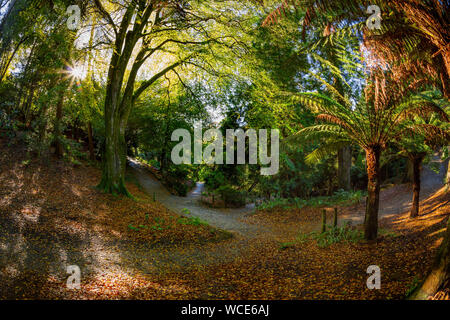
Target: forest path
{"type": "Point", "coordinates": [226, 219]}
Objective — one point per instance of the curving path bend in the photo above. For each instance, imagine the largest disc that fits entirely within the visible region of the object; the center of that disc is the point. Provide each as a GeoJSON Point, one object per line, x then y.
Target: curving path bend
{"type": "Point", "coordinates": [226, 219]}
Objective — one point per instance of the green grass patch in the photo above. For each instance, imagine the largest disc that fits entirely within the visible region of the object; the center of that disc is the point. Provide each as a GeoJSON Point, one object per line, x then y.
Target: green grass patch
{"type": "Point", "coordinates": [193, 221]}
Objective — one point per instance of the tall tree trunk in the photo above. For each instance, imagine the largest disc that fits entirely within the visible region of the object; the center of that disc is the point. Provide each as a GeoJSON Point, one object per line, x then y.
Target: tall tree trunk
{"type": "Point", "coordinates": [373, 192]}
{"type": "Point", "coordinates": [27, 106]}
{"type": "Point", "coordinates": [42, 127]}
{"type": "Point", "coordinates": [417, 164]}
{"type": "Point", "coordinates": [344, 166]}
{"type": "Point", "coordinates": [439, 277]}
{"type": "Point", "coordinates": [90, 141]}
{"type": "Point", "coordinates": [164, 160]}
{"type": "Point", "coordinates": [116, 112]}
{"type": "Point", "coordinates": [91, 78]}
{"type": "Point", "coordinates": [118, 105]}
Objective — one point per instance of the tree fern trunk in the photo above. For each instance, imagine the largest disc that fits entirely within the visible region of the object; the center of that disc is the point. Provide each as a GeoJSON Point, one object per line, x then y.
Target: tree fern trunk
{"type": "Point", "coordinates": [373, 192]}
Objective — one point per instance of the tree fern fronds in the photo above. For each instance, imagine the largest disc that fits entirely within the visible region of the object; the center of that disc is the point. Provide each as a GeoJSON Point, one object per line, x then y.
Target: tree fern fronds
{"type": "Point", "coordinates": [316, 133]}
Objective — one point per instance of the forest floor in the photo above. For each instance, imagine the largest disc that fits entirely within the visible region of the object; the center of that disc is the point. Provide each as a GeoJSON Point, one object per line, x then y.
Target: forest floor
{"type": "Point", "coordinates": [51, 216]}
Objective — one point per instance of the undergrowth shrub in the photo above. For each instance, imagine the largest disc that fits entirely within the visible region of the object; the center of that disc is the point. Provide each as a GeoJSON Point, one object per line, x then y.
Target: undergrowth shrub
{"type": "Point", "coordinates": [332, 235]}
{"type": "Point", "coordinates": [341, 197]}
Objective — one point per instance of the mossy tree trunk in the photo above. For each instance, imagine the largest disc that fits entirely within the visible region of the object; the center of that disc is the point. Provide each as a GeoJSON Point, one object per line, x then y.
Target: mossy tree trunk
{"type": "Point", "coordinates": [118, 104]}
{"type": "Point", "coordinates": [114, 162]}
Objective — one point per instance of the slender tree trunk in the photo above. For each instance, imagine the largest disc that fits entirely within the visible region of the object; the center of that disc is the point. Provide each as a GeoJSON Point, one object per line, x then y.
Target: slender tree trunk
{"type": "Point", "coordinates": [27, 106]}
{"type": "Point", "coordinates": [344, 166]}
{"type": "Point", "coordinates": [439, 277]}
{"type": "Point", "coordinates": [42, 127]}
{"type": "Point", "coordinates": [164, 160]}
{"type": "Point", "coordinates": [417, 164]}
{"type": "Point", "coordinates": [373, 192]}
{"type": "Point", "coordinates": [90, 141]}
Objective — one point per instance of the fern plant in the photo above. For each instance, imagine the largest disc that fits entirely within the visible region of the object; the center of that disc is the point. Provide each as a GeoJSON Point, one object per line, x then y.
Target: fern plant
{"type": "Point", "coordinates": [371, 124]}
{"type": "Point", "coordinates": [413, 38]}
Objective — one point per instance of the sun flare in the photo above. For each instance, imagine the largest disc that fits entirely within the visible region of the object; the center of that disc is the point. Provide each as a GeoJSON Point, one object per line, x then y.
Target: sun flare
{"type": "Point", "coordinates": [76, 72]}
